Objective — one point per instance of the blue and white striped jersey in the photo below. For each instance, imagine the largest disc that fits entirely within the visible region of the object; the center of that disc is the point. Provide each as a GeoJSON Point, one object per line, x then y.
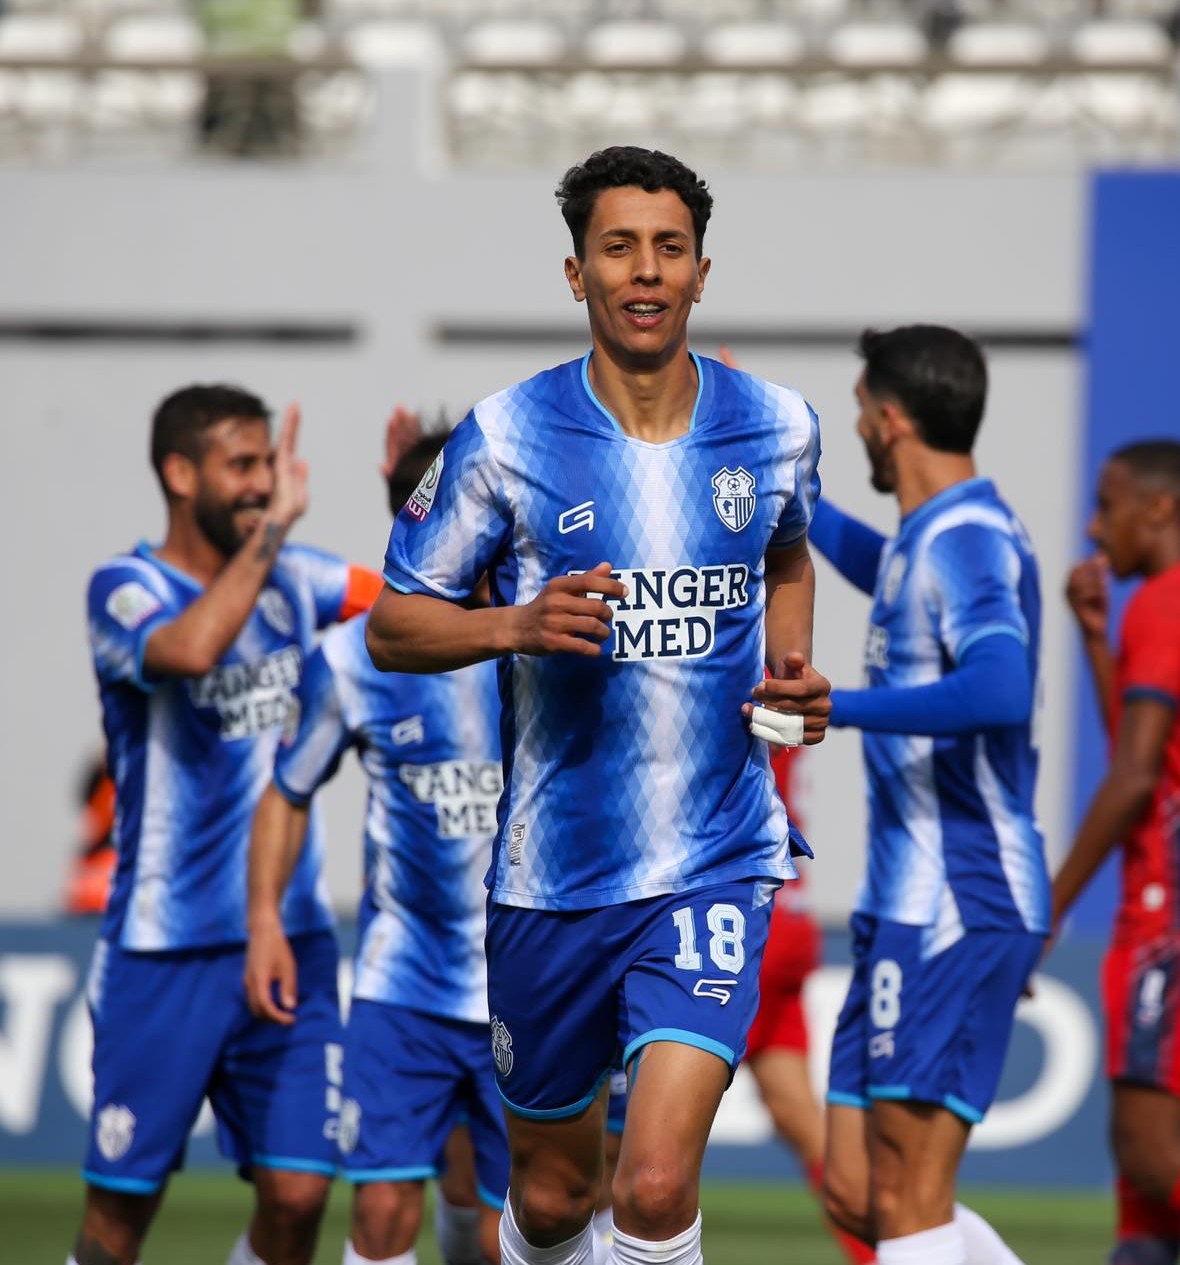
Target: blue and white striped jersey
{"type": "Point", "coordinates": [630, 774]}
{"type": "Point", "coordinates": [430, 747]}
{"type": "Point", "coordinates": [953, 837]}
{"type": "Point", "coordinates": [191, 756]}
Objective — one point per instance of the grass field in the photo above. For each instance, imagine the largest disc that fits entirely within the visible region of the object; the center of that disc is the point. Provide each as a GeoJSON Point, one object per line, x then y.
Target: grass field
{"type": "Point", "coordinates": [745, 1224]}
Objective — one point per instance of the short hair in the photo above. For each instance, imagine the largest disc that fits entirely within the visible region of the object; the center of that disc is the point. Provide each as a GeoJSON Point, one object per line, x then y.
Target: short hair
{"type": "Point", "coordinates": [1152, 461]}
{"type": "Point", "coordinates": [629, 166]}
{"type": "Point", "coordinates": [412, 467]}
{"type": "Point", "coordinates": [182, 420]}
{"type": "Point", "coordinates": [937, 374]}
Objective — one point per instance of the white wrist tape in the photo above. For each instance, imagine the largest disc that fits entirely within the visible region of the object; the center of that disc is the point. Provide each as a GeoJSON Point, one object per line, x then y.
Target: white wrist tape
{"type": "Point", "coordinates": [783, 728]}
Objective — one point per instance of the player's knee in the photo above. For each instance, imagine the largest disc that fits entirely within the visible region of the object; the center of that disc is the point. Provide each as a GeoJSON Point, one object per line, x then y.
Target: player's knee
{"type": "Point", "coordinates": [658, 1199]}
{"type": "Point", "coordinates": [847, 1204]}
{"type": "Point", "coordinates": [386, 1216]}
{"type": "Point", "coordinates": [549, 1213]}
{"type": "Point", "coordinates": [291, 1204]}
{"type": "Point", "coordinates": [1146, 1164]}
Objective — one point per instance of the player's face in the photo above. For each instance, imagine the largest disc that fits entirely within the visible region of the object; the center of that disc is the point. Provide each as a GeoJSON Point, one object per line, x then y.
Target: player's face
{"type": "Point", "coordinates": [1118, 523]}
{"type": "Point", "coordinates": [235, 479]}
{"type": "Point", "coordinates": [640, 275]}
{"type": "Point", "coordinates": [870, 427]}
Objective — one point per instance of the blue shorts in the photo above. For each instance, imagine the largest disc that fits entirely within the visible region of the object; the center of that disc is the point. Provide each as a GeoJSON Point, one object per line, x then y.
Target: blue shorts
{"type": "Point", "coordinates": [409, 1078]}
{"type": "Point", "coordinates": [930, 1029]}
{"type": "Point", "coordinates": [574, 994]}
{"type": "Point", "coordinates": [173, 1028]}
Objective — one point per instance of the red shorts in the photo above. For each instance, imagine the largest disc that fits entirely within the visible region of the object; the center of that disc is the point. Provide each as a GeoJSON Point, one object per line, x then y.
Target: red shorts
{"type": "Point", "coordinates": [1141, 995]}
{"type": "Point", "coordinates": [792, 953]}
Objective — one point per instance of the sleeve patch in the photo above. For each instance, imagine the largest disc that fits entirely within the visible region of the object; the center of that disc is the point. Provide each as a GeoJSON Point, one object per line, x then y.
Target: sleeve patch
{"type": "Point", "coordinates": [131, 603]}
{"type": "Point", "coordinates": [422, 497]}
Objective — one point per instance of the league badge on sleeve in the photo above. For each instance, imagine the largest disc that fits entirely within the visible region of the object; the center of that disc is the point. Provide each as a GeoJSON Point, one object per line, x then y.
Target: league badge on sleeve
{"type": "Point", "coordinates": [422, 497]}
{"type": "Point", "coordinates": [733, 497]}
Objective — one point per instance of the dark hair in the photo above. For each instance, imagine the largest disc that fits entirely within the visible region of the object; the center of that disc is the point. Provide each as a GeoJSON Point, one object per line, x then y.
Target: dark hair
{"type": "Point", "coordinates": [937, 374]}
{"type": "Point", "coordinates": [409, 471]}
{"type": "Point", "coordinates": [1153, 461]}
{"type": "Point", "coordinates": [628, 166]}
{"type": "Point", "coordinates": [181, 421]}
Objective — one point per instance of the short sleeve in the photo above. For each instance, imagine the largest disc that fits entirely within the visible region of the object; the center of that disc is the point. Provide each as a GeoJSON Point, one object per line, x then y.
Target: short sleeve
{"type": "Point", "coordinates": [329, 580]}
{"type": "Point", "coordinates": [310, 756]}
{"type": "Point", "coordinates": [127, 600]}
{"type": "Point", "coordinates": [974, 584]}
{"type": "Point", "coordinates": [454, 523]}
{"type": "Point", "coordinates": [800, 506]}
{"type": "Point", "coordinates": [1151, 644]}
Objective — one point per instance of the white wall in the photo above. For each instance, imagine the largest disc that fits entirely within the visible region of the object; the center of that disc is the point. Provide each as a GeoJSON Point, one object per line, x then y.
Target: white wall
{"type": "Point", "coordinates": [392, 242]}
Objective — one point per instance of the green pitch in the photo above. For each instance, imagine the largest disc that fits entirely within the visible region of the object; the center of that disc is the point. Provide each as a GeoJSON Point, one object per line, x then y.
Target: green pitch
{"type": "Point", "coordinates": [745, 1224]}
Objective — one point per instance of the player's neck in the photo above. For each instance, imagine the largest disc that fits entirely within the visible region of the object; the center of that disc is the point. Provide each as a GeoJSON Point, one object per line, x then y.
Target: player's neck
{"type": "Point", "coordinates": [188, 549]}
{"type": "Point", "coordinates": [925, 473]}
{"type": "Point", "coordinates": [1165, 556]}
{"type": "Point", "coordinates": [653, 405]}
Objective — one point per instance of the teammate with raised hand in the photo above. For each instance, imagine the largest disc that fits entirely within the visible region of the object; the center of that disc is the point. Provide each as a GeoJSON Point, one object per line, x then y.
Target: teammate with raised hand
{"type": "Point", "coordinates": [642, 516]}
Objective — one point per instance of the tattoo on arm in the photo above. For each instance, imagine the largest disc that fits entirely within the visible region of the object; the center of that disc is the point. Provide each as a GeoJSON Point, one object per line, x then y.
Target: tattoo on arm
{"type": "Point", "coordinates": [272, 537]}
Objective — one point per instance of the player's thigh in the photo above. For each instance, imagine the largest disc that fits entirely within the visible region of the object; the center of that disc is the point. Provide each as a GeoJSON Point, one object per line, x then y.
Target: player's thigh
{"type": "Point", "coordinates": [457, 1181]}
{"type": "Point", "coordinates": [1145, 1135]}
{"type": "Point", "coordinates": [914, 1154]}
{"type": "Point", "coordinates": [160, 1024]}
{"type": "Point", "coordinates": [277, 1090]}
{"type": "Point", "coordinates": [556, 1171]}
{"type": "Point", "coordinates": [846, 1166]}
{"type": "Point", "coordinates": [784, 1082]}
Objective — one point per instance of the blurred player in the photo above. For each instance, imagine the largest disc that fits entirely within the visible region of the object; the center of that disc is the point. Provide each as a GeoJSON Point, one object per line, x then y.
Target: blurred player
{"type": "Point", "coordinates": [954, 909]}
{"type": "Point", "coordinates": [642, 515]}
{"type": "Point", "coordinates": [92, 866]}
{"type": "Point", "coordinates": [1136, 528]}
{"type": "Point", "coordinates": [417, 1044]}
{"type": "Point", "coordinates": [198, 644]}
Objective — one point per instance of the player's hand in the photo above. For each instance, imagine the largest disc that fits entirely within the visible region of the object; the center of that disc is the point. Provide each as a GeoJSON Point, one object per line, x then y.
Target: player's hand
{"type": "Point", "coordinates": [1088, 593]}
{"type": "Point", "coordinates": [568, 615]}
{"type": "Point", "coordinates": [270, 977]}
{"type": "Point", "coordinates": [402, 432]}
{"type": "Point", "coordinates": [795, 689]}
{"type": "Point", "coordinates": [726, 357]}
{"type": "Point", "coordinates": [288, 498]}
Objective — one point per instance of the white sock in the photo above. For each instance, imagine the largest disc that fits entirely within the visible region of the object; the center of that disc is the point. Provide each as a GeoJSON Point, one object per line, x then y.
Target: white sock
{"type": "Point", "coordinates": [604, 1235]}
{"type": "Point", "coordinates": [941, 1246]}
{"type": "Point", "coordinates": [515, 1249]}
{"type": "Point", "coordinates": [984, 1245]}
{"type": "Point", "coordinates": [244, 1254]}
{"type": "Point", "coordinates": [353, 1257]}
{"type": "Point", "coordinates": [456, 1231]}
{"type": "Point", "coordinates": [684, 1249]}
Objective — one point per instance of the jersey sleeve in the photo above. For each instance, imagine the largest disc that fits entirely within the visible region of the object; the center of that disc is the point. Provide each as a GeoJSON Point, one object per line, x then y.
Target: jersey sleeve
{"type": "Point", "coordinates": [339, 589]}
{"type": "Point", "coordinates": [311, 755]}
{"type": "Point", "coordinates": [127, 601]}
{"type": "Point", "coordinates": [798, 511]}
{"type": "Point", "coordinates": [454, 523]}
{"type": "Point", "coordinates": [1151, 645]}
{"type": "Point", "coordinates": [973, 585]}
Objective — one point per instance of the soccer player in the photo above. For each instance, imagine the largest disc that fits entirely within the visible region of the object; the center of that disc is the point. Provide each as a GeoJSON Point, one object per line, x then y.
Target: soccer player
{"type": "Point", "coordinates": [1136, 528]}
{"type": "Point", "coordinates": [198, 644]}
{"type": "Point", "coordinates": [642, 515]}
{"type": "Point", "coordinates": [417, 1051]}
{"type": "Point", "coordinates": [954, 908]}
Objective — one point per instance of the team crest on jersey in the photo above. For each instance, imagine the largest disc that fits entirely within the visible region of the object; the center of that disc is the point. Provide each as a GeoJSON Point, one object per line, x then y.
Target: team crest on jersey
{"type": "Point", "coordinates": [277, 612]}
{"type": "Point", "coordinates": [130, 604]}
{"type": "Point", "coordinates": [115, 1130]}
{"type": "Point", "coordinates": [501, 1047]}
{"type": "Point", "coordinates": [348, 1130]}
{"type": "Point", "coordinates": [733, 497]}
{"type": "Point", "coordinates": [894, 574]}
{"type": "Point", "coordinates": [422, 497]}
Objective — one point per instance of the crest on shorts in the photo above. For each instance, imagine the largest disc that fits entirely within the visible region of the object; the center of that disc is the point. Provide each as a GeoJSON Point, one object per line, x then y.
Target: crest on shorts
{"type": "Point", "coordinates": [115, 1130]}
{"type": "Point", "coordinates": [501, 1047]}
{"type": "Point", "coordinates": [349, 1128]}
{"type": "Point", "coordinates": [733, 497]}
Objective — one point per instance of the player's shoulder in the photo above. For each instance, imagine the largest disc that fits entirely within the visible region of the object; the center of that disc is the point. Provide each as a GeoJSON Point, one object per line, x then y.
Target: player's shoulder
{"type": "Point", "coordinates": [1154, 607]}
{"type": "Point", "coordinates": [137, 567]}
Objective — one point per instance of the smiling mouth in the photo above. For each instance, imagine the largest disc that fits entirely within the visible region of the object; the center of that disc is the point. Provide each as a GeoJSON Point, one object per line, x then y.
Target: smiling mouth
{"type": "Point", "coordinates": [644, 313]}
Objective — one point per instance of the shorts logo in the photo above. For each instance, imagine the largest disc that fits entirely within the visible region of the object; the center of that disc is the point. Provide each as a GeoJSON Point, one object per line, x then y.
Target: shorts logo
{"type": "Point", "coordinates": [515, 842]}
{"type": "Point", "coordinates": [115, 1130]}
{"type": "Point", "coordinates": [276, 610]}
{"type": "Point", "coordinates": [881, 1045]}
{"type": "Point", "coordinates": [733, 497]}
{"type": "Point", "coordinates": [722, 989]}
{"type": "Point", "coordinates": [422, 497]}
{"type": "Point", "coordinates": [349, 1130]}
{"type": "Point", "coordinates": [501, 1047]}
{"type": "Point", "coordinates": [130, 604]}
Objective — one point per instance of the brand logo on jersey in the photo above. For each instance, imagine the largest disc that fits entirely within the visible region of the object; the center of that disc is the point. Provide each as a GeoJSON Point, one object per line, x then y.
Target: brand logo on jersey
{"type": "Point", "coordinates": [877, 648]}
{"type": "Point", "coordinates": [348, 1129]}
{"type": "Point", "coordinates": [894, 574]}
{"type": "Point", "coordinates": [733, 497]}
{"type": "Point", "coordinates": [422, 497]}
{"type": "Point", "coordinates": [464, 794]}
{"type": "Point", "coordinates": [130, 604]}
{"type": "Point", "coordinates": [669, 612]}
{"type": "Point", "coordinates": [412, 729]}
{"type": "Point", "coordinates": [250, 697]}
{"type": "Point", "coordinates": [501, 1047]}
{"type": "Point", "coordinates": [115, 1130]}
{"type": "Point", "coordinates": [576, 517]}
{"type": "Point", "coordinates": [516, 843]}
{"type": "Point", "coordinates": [722, 989]}
{"type": "Point", "coordinates": [277, 612]}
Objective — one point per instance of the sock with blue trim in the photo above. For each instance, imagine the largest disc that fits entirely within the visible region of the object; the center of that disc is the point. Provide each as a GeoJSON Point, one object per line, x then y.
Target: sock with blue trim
{"type": "Point", "coordinates": [941, 1246]}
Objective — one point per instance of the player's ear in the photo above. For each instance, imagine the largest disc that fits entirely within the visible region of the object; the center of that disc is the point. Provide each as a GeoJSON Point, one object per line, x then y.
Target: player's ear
{"type": "Point", "coordinates": [180, 477]}
{"type": "Point", "coordinates": [573, 275]}
{"type": "Point", "coordinates": [895, 421]}
{"type": "Point", "coordinates": [702, 272]}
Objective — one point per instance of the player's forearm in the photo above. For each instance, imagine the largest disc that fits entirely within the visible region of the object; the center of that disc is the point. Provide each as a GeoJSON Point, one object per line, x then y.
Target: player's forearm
{"type": "Point", "coordinates": [276, 840]}
{"type": "Point", "coordinates": [790, 603]}
{"type": "Point", "coordinates": [852, 547]}
{"type": "Point", "coordinates": [1101, 664]}
{"type": "Point", "coordinates": [409, 632]}
{"type": "Point", "coordinates": [192, 644]}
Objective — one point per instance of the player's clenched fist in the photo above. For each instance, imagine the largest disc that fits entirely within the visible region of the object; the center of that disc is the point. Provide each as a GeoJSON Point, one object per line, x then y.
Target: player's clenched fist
{"type": "Point", "coordinates": [1088, 594]}
{"type": "Point", "coordinates": [792, 707]}
{"type": "Point", "coordinates": [569, 615]}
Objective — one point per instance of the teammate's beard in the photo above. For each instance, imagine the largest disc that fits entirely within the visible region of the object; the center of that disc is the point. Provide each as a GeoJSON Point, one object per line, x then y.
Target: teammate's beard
{"type": "Point", "coordinates": [216, 520]}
